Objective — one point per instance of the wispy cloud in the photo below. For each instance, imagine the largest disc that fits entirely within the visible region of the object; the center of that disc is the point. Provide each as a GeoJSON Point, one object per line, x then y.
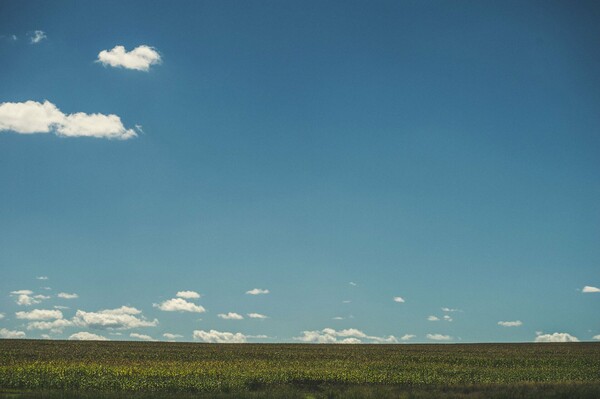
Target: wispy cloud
{"type": "Point", "coordinates": [33, 117]}
{"type": "Point", "coordinates": [86, 336]}
{"type": "Point", "coordinates": [556, 337]}
{"type": "Point", "coordinates": [140, 58]}
{"type": "Point", "coordinates": [65, 295]}
{"type": "Point", "coordinates": [214, 336]}
{"type": "Point", "coordinates": [179, 305]}
{"type": "Point", "coordinates": [172, 336]}
{"type": "Point", "coordinates": [407, 337]}
{"type": "Point", "coordinates": [444, 309]}
{"type": "Point", "coordinates": [515, 323]}
{"type": "Point", "coordinates": [37, 36]}
{"type": "Point", "coordinates": [230, 316]}
{"type": "Point", "coordinates": [257, 316]}
{"type": "Point", "coordinates": [257, 291]}
{"type": "Point", "coordinates": [42, 278]}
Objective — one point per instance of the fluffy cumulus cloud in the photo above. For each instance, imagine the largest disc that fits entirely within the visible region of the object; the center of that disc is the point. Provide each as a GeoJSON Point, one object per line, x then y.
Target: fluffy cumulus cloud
{"type": "Point", "coordinates": [87, 336]}
{"type": "Point", "coordinates": [179, 305]}
{"type": "Point", "coordinates": [347, 336]}
{"type": "Point", "coordinates": [33, 117]}
{"type": "Point", "coordinates": [230, 316]}
{"type": "Point", "coordinates": [65, 295]}
{"type": "Point", "coordinates": [26, 297]}
{"type": "Point", "coordinates": [556, 337]}
{"type": "Point", "coordinates": [257, 291]}
{"type": "Point", "coordinates": [589, 290]}
{"type": "Point", "coordinates": [596, 337]}
{"type": "Point", "coordinates": [37, 36]}
{"type": "Point", "coordinates": [1, 316]}
{"type": "Point", "coordinates": [188, 294]}
{"type": "Point", "coordinates": [433, 318]}
{"type": "Point", "coordinates": [142, 337]}
{"type": "Point", "coordinates": [407, 337]}
{"type": "Point", "coordinates": [399, 299]}
{"type": "Point", "coordinates": [40, 314]}
{"type": "Point", "coordinates": [516, 323]}
{"type": "Point", "coordinates": [5, 333]}
{"type": "Point", "coordinates": [139, 59]}
{"type": "Point", "coordinates": [122, 318]}
{"type": "Point", "coordinates": [219, 337]}
{"type": "Point", "coordinates": [439, 337]}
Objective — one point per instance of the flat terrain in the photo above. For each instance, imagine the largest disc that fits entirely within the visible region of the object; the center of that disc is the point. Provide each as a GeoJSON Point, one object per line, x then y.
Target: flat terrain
{"type": "Point", "coordinates": [37, 368]}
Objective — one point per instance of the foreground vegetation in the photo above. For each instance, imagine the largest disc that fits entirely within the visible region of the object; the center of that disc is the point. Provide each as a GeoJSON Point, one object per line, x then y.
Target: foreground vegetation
{"type": "Point", "coordinates": [283, 370]}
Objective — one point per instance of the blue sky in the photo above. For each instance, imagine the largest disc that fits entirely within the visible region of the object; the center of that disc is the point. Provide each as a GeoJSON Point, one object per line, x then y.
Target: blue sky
{"type": "Point", "coordinates": [335, 154]}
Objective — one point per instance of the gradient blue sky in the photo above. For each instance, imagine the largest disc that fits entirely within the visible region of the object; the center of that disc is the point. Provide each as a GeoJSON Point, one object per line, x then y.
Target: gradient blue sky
{"type": "Point", "coordinates": [444, 152]}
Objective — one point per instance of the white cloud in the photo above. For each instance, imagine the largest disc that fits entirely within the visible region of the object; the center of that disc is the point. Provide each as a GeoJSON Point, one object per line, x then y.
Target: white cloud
{"type": "Point", "coordinates": [439, 337]}
{"type": "Point", "coordinates": [42, 278]}
{"type": "Point", "coordinates": [257, 291]}
{"type": "Point", "coordinates": [407, 337]}
{"type": "Point", "coordinates": [5, 333]}
{"type": "Point", "coordinates": [179, 305]}
{"type": "Point", "coordinates": [257, 316]}
{"type": "Point", "coordinates": [188, 294]}
{"type": "Point", "coordinates": [65, 295]}
{"type": "Point", "coordinates": [433, 318]}
{"type": "Point", "coordinates": [347, 336]}
{"type": "Point", "coordinates": [172, 336]}
{"type": "Point", "coordinates": [399, 299]}
{"type": "Point", "coordinates": [556, 337]}
{"type": "Point", "coordinates": [347, 301]}
{"type": "Point", "coordinates": [338, 318]}
{"type": "Point", "coordinates": [60, 307]}
{"type": "Point", "coordinates": [122, 318]}
{"type": "Point", "coordinates": [447, 318]}
{"type": "Point", "coordinates": [515, 323]}
{"type": "Point", "coordinates": [40, 314]}
{"type": "Point", "coordinates": [55, 326]}
{"type": "Point", "coordinates": [588, 289]}
{"type": "Point", "coordinates": [352, 283]}
{"type": "Point", "coordinates": [46, 336]}
{"type": "Point", "coordinates": [214, 336]}
{"type": "Point", "coordinates": [140, 58]}
{"type": "Point", "coordinates": [1, 315]}
{"type": "Point", "coordinates": [450, 310]}
{"type": "Point", "coordinates": [37, 36]}
{"type": "Point", "coordinates": [22, 292]}
{"type": "Point", "coordinates": [26, 297]}
{"type": "Point", "coordinates": [143, 337]}
{"type": "Point", "coordinates": [34, 117]}
{"type": "Point", "coordinates": [86, 336]}
{"type": "Point", "coordinates": [596, 337]}
{"type": "Point", "coordinates": [230, 316]}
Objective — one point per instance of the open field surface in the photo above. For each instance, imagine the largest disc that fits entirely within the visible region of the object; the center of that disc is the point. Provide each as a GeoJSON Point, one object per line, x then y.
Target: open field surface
{"type": "Point", "coordinates": [68, 369]}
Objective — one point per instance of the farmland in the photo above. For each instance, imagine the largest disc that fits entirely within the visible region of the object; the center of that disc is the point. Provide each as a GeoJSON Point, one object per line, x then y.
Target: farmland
{"type": "Point", "coordinates": [297, 370]}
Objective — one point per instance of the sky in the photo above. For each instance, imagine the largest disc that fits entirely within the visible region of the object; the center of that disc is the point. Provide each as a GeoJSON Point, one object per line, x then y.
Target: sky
{"type": "Point", "coordinates": [309, 171]}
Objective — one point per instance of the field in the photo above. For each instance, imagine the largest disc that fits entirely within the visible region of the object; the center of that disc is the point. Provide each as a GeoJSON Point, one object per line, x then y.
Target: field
{"type": "Point", "coordinates": [64, 369]}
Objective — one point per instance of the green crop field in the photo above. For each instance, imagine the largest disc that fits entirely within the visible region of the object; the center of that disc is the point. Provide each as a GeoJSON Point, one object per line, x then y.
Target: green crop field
{"type": "Point", "coordinates": [158, 369]}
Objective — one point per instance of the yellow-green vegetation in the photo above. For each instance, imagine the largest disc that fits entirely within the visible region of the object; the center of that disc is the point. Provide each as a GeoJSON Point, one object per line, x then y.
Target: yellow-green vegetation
{"type": "Point", "coordinates": [36, 365]}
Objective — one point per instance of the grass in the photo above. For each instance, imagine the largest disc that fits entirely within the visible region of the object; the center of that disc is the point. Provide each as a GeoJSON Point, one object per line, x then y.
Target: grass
{"type": "Point", "coordinates": [157, 369]}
